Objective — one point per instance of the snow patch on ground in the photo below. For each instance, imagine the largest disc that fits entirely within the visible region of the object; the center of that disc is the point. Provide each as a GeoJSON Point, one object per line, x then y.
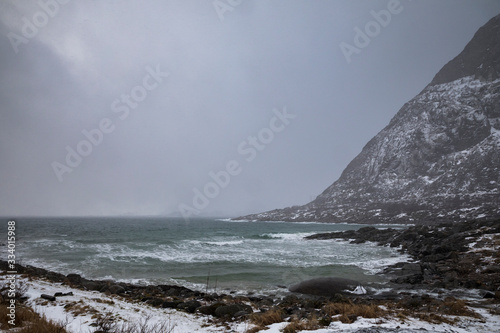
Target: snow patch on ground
{"type": "Point", "coordinates": [131, 312]}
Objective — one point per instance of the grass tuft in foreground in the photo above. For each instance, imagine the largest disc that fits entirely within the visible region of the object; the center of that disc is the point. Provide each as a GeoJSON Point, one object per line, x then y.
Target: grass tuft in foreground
{"type": "Point", "coordinates": [28, 321]}
{"type": "Point", "coordinates": [348, 312]}
{"type": "Point", "coordinates": [267, 318]}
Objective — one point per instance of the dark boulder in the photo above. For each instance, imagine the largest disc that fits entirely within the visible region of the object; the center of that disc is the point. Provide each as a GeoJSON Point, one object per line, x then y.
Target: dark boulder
{"type": "Point", "coordinates": [59, 294]}
{"type": "Point", "coordinates": [116, 289]}
{"type": "Point", "coordinates": [171, 304]}
{"type": "Point", "coordinates": [328, 286]}
{"type": "Point", "coordinates": [240, 314]}
{"type": "Point", "coordinates": [489, 294]}
{"type": "Point", "coordinates": [155, 302]}
{"type": "Point", "coordinates": [209, 309]}
{"type": "Point", "coordinates": [233, 309]}
{"type": "Point", "coordinates": [177, 291]}
{"type": "Point", "coordinates": [48, 297]}
{"type": "Point", "coordinates": [74, 279]}
{"type": "Point", "coordinates": [290, 300]}
{"type": "Point", "coordinates": [189, 306]}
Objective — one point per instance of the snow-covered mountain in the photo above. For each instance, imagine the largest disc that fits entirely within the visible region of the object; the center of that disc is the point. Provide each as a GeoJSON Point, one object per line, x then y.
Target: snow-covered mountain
{"type": "Point", "coordinates": [437, 160]}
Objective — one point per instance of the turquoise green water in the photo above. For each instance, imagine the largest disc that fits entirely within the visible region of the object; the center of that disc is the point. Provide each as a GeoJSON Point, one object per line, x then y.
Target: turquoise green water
{"type": "Point", "coordinates": [241, 256]}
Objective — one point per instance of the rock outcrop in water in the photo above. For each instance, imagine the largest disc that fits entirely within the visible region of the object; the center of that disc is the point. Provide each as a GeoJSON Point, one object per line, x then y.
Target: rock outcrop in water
{"type": "Point", "coordinates": [437, 160]}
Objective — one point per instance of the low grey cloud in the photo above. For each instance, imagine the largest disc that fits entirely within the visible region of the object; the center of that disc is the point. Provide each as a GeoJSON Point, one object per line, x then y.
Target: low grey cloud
{"type": "Point", "coordinates": [225, 78]}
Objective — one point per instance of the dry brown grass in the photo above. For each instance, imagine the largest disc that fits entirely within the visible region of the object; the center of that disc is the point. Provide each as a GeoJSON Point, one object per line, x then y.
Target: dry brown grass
{"type": "Point", "coordinates": [267, 318]}
{"type": "Point", "coordinates": [449, 307]}
{"type": "Point", "coordinates": [42, 325]}
{"type": "Point", "coordinates": [143, 326]}
{"type": "Point", "coordinates": [302, 325]}
{"type": "Point", "coordinates": [349, 312]}
{"type": "Point", "coordinates": [433, 318]}
{"type": "Point", "coordinates": [104, 301]}
{"type": "Point", "coordinates": [433, 311]}
{"type": "Point", "coordinates": [457, 307]}
{"type": "Point", "coordinates": [293, 327]}
{"type": "Point", "coordinates": [23, 314]}
{"type": "Point", "coordinates": [78, 308]}
{"type": "Point", "coordinates": [27, 321]}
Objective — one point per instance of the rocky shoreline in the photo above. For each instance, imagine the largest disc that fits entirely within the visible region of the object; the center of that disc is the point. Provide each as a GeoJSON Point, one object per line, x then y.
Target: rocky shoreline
{"type": "Point", "coordinates": [462, 255]}
{"type": "Point", "coordinates": [451, 255]}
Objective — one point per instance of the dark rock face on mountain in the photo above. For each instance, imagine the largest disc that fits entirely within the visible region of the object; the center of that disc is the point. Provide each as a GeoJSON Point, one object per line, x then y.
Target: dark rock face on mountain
{"type": "Point", "coordinates": [479, 57]}
{"type": "Point", "coordinates": [437, 160]}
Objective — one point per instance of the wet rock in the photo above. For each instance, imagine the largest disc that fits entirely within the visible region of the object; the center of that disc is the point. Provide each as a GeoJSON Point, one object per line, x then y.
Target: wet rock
{"type": "Point", "coordinates": [59, 294]}
{"type": "Point", "coordinates": [266, 302]}
{"type": "Point", "coordinates": [155, 302]}
{"type": "Point", "coordinates": [289, 300]}
{"type": "Point", "coordinates": [48, 297]}
{"type": "Point", "coordinates": [172, 290]}
{"type": "Point", "coordinates": [90, 285]}
{"type": "Point", "coordinates": [492, 269]}
{"type": "Point", "coordinates": [209, 310]}
{"type": "Point", "coordinates": [189, 306]}
{"type": "Point", "coordinates": [313, 303]}
{"type": "Point", "coordinates": [324, 286]}
{"type": "Point", "coordinates": [240, 314]}
{"type": "Point", "coordinates": [171, 304]}
{"type": "Point", "coordinates": [232, 309]}
{"type": "Point", "coordinates": [386, 295]}
{"type": "Point", "coordinates": [412, 267]}
{"type": "Point", "coordinates": [74, 279]}
{"type": "Point", "coordinates": [256, 299]}
{"type": "Point", "coordinates": [409, 279]}
{"type": "Point", "coordinates": [116, 289]}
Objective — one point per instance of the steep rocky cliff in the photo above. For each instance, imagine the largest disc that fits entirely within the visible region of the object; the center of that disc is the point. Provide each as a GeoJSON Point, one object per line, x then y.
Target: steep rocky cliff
{"type": "Point", "coordinates": [437, 160]}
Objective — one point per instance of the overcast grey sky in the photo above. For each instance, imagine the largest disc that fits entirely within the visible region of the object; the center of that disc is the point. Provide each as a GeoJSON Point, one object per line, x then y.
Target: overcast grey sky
{"type": "Point", "coordinates": [67, 67]}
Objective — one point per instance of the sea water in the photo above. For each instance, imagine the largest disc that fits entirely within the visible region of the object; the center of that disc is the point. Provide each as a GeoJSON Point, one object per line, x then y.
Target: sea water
{"type": "Point", "coordinates": [206, 254]}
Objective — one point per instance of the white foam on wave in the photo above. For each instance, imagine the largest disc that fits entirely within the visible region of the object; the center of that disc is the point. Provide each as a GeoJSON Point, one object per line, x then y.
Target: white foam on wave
{"type": "Point", "coordinates": [375, 266]}
{"type": "Point", "coordinates": [217, 241]}
{"type": "Point", "coordinates": [231, 220]}
{"type": "Point", "coordinates": [303, 222]}
{"type": "Point", "coordinates": [222, 243]}
{"type": "Point", "coordinates": [389, 225]}
{"type": "Point", "coordinates": [288, 236]}
{"type": "Point", "coordinates": [286, 252]}
{"type": "Point", "coordinates": [48, 242]}
{"type": "Point", "coordinates": [53, 264]}
{"type": "Point", "coordinates": [248, 252]}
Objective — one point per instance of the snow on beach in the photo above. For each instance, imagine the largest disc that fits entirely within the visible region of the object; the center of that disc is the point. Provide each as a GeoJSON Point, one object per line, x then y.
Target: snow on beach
{"type": "Point", "coordinates": [182, 322]}
{"type": "Point", "coordinates": [132, 312]}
